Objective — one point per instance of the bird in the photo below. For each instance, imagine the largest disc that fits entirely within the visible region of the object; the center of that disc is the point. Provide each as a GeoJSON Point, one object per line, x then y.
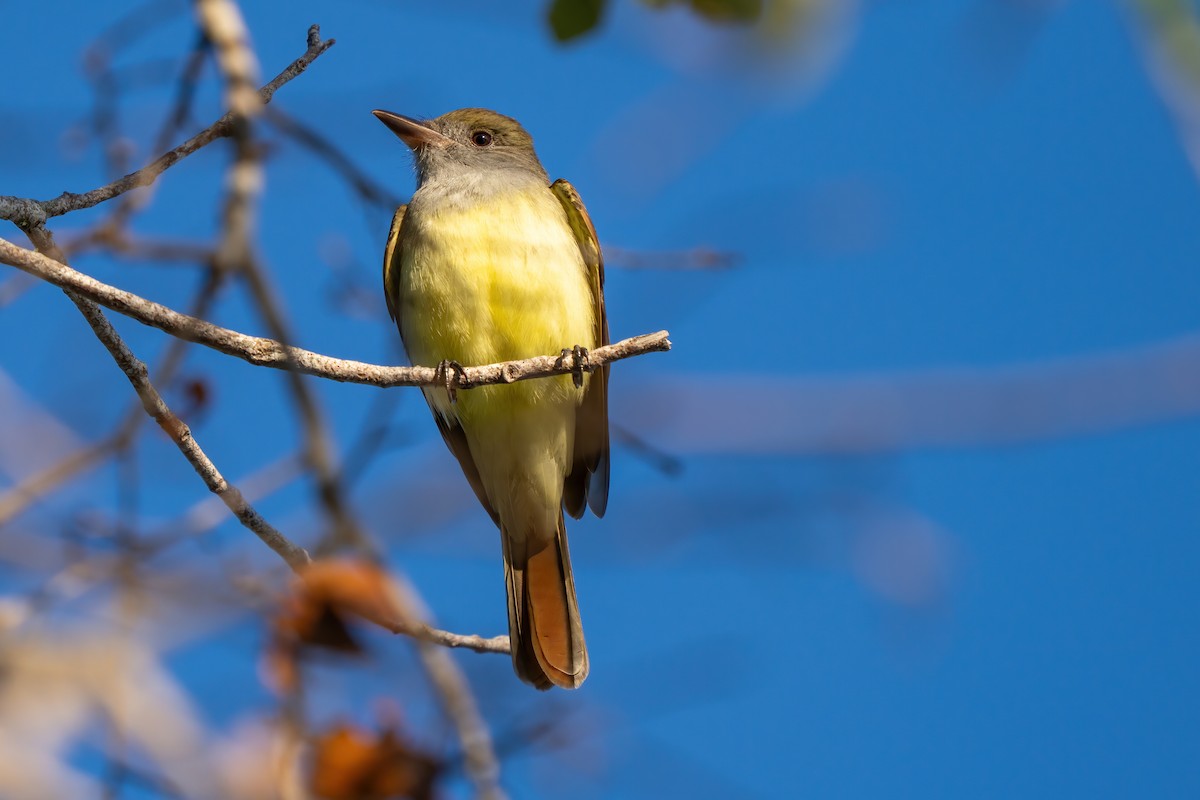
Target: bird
{"type": "Point", "coordinates": [490, 261]}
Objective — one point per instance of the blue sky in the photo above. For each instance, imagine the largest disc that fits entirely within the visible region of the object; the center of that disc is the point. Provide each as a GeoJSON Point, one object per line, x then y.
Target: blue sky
{"type": "Point", "coordinates": [943, 190]}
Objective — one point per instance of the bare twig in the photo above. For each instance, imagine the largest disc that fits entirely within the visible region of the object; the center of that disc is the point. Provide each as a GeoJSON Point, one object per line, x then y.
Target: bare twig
{"type": "Point", "coordinates": [221, 21]}
{"type": "Point", "coordinates": [113, 239]}
{"type": "Point", "coordinates": [468, 641]}
{"type": "Point", "coordinates": [270, 353]}
{"type": "Point", "coordinates": [318, 447]}
{"type": "Point", "coordinates": [661, 460]}
{"type": "Point", "coordinates": [207, 514]}
{"type": "Point", "coordinates": [459, 705]}
{"type": "Point", "coordinates": [179, 433]}
{"type": "Point", "coordinates": [26, 213]}
{"type": "Point", "coordinates": [19, 497]}
{"type": "Point", "coordinates": [175, 428]}
{"type": "Point", "coordinates": [181, 111]}
{"type": "Point", "coordinates": [455, 693]}
{"type": "Point", "coordinates": [363, 184]}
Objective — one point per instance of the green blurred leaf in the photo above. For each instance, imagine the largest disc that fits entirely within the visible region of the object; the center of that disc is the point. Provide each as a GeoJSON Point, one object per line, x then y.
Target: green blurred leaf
{"type": "Point", "coordinates": [1174, 28]}
{"type": "Point", "coordinates": [729, 10]}
{"type": "Point", "coordinates": [573, 18]}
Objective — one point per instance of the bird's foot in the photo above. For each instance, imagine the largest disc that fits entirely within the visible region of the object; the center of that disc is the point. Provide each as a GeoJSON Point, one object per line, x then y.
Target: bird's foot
{"type": "Point", "coordinates": [450, 374]}
{"type": "Point", "coordinates": [581, 362]}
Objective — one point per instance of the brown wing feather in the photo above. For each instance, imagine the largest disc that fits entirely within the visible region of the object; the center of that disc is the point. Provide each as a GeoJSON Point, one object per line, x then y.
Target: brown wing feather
{"type": "Point", "coordinates": [456, 440]}
{"type": "Point", "coordinates": [391, 271]}
{"type": "Point", "coordinates": [587, 483]}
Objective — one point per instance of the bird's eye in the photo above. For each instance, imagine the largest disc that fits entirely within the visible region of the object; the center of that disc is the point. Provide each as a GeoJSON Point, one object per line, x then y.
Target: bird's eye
{"type": "Point", "coordinates": [481, 138]}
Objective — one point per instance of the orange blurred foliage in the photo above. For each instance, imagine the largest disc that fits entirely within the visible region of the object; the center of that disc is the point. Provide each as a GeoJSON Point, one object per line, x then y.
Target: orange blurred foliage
{"type": "Point", "coordinates": [314, 615]}
{"type": "Point", "coordinates": [354, 764]}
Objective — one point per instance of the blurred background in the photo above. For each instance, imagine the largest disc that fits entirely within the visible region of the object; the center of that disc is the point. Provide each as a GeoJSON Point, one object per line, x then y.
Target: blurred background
{"type": "Point", "coordinates": [910, 509]}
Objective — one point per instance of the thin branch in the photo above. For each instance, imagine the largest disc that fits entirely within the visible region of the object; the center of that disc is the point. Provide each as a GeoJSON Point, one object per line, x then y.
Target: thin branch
{"type": "Point", "coordinates": [363, 184]}
{"type": "Point", "coordinates": [270, 353]}
{"type": "Point", "coordinates": [135, 370]}
{"type": "Point", "coordinates": [222, 23]}
{"type": "Point", "coordinates": [666, 463]}
{"type": "Point", "coordinates": [117, 242]}
{"type": "Point", "coordinates": [27, 213]}
{"type": "Point", "coordinates": [207, 514]}
{"type": "Point", "coordinates": [468, 641]}
{"type": "Point", "coordinates": [318, 447]}
{"type": "Point", "coordinates": [185, 94]}
{"type": "Point", "coordinates": [19, 497]}
{"type": "Point", "coordinates": [455, 694]}
{"type": "Point", "coordinates": [459, 704]}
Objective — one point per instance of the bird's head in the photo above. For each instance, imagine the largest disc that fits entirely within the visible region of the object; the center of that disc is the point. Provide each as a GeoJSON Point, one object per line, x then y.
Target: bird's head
{"type": "Point", "coordinates": [469, 141]}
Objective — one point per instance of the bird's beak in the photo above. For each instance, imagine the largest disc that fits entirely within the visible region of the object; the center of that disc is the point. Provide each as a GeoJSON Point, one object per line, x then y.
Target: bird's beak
{"type": "Point", "coordinates": [411, 131]}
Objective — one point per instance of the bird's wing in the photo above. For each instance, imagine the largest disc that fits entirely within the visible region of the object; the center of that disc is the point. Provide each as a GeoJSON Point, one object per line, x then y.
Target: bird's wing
{"type": "Point", "coordinates": [391, 265]}
{"type": "Point", "coordinates": [587, 484]}
{"type": "Point", "coordinates": [453, 434]}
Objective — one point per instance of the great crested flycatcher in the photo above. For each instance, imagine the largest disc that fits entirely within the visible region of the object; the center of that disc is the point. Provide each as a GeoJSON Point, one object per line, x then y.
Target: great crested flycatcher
{"type": "Point", "coordinates": [489, 262]}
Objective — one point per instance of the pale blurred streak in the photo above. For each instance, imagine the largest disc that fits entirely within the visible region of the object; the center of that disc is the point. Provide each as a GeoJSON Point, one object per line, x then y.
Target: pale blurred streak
{"type": "Point", "coordinates": [257, 761]}
{"type": "Point", "coordinates": [31, 438]}
{"type": "Point", "coordinates": [765, 413]}
{"type": "Point", "coordinates": [58, 683]}
{"type": "Point", "coordinates": [210, 512]}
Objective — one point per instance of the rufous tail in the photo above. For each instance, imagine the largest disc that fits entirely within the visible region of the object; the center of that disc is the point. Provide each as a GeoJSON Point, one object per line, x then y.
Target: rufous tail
{"type": "Point", "coordinates": [544, 629]}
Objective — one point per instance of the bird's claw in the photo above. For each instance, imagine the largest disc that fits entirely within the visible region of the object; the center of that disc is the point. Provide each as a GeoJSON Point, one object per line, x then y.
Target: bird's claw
{"type": "Point", "coordinates": [580, 362]}
{"type": "Point", "coordinates": [450, 374]}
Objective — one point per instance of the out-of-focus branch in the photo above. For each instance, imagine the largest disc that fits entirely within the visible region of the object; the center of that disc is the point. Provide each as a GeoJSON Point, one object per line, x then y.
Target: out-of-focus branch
{"type": "Point", "coordinates": [179, 433]}
{"type": "Point", "coordinates": [117, 242]}
{"type": "Point", "coordinates": [931, 408]}
{"type": "Point", "coordinates": [318, 447]}
{"type": "Point", "coordinates": [459, 705]}
{"type": "Point", "coordinates": [14, 287]}
{"type": "Point", "coordinates": [270, 353]}
{"type": "Point", "coordinates": [27, 213]}
{"type": "Point", "coordinates": [154, 405]}
{"type": "Point", "coordinates": [221, 21]}
{"type": "Point", "coordinates": [185, 93]}
{"type": "Point", "coordinates": [455, 693]}
{"type": "Point", "coordinates": [18, 498]}
{"type": "Point", "coordinates": [363, 184]}
{"type": "Point", "coordinates": [697, 258]}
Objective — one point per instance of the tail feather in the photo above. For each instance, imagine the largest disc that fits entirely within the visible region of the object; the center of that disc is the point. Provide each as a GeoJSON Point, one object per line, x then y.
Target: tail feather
{"type": "Point", "coordinates": [544, 628]}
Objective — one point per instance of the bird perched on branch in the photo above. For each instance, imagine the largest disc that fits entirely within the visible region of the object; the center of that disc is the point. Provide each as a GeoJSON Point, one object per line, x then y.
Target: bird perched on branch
{"type": "Point", "coordinates": [489, 262]}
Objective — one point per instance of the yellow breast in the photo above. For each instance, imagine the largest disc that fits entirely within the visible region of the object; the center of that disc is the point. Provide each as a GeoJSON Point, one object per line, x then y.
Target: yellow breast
{"type": "Point", "coordinates": [498, 280]}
